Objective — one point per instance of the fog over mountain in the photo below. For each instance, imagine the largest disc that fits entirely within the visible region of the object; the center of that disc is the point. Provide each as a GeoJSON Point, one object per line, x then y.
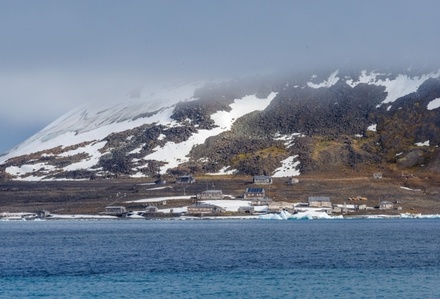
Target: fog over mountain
{"type": "Point", "coordinates": [58, 55]}
{"type": "Point", "coordinates": [281, 125]}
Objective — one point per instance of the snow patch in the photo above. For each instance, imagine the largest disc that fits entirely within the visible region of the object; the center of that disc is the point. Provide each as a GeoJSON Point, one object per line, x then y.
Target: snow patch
{"type": "Point", "coordinates": [426, 143]}
{"type": "Point", "coordinates": [372, 128]}
{"type": "Point", "coordinates": [135, 151]}
{"type": "Point", "coordinates": [409, 189]}
{"type": "Point", "coordinates": [224, 171]}
{"type": "Point", "coordinates": [288, 168]}
{"type": "Point", "coordinates": [175, 153]}
{"type": "Point", "coordinates": [23, 170]}
{"type": "Point", "coordinates": [94, 154]}
{"type": "Point", "coordinates": [157, 199]}
{"type": "Point", "coordinates": [434, 104]}
{"type": "Point", "coordinates": [332, 80]}
{"type": "Point", "coordinates": [288, 138]}
{"type": "Point", "coordinates": [229, 205]}
{"type": "Point", "coordinates": [396, 88]}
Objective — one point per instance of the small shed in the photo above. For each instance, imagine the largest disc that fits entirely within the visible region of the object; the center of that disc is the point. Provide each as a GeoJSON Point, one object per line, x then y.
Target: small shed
{"type": "Point", "coordinates": [210, 195]}
{"type": "Point", "coordinates": [319, 202]}
{"type": "Point", "coordinates": [204, 208]}
{"type": "Point", "coordinates": [385, 205]}
{"type": "Point", "coordinates": [43, 214]}
{"type": "Point", "coordinates": [262, 180]}
{"type": "Point", "coordinates": [115, 211]}
{"type": "Point", "coordinates": [293, 181]}
{"type": "Point", "coordinates": [254, 193]}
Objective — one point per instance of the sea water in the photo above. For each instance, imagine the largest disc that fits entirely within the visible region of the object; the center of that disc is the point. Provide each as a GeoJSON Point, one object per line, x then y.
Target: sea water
{"type": "Point", "coordinates": [393, 258]}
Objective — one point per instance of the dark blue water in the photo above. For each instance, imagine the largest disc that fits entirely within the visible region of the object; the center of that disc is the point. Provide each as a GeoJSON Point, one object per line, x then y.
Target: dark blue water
{"type": "Point", "coordinates": [221, 259]}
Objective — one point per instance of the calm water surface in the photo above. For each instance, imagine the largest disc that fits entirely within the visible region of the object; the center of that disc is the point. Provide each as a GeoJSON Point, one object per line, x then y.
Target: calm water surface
{"type": "Point", "coordinates": [221, 259]}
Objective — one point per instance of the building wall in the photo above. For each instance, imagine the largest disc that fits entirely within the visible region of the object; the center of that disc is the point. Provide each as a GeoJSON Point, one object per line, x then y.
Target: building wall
{"type": "Point", "coordinates": [320, 204]}
{"type": "Point", "coordinates": [210, 195]}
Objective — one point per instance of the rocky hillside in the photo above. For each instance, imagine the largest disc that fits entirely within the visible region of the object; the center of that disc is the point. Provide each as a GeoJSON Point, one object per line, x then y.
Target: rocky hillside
{"type": "Point", "coordinates": [279, 125]}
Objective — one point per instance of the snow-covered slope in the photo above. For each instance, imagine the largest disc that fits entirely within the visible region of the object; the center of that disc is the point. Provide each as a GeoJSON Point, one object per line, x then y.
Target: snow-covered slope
{"type": "Point", "coordinates": [149, 133]}
{"type": "Point", "coordinates": [95, 122]}
{"type": "Point", "coordinates": [88, 126]}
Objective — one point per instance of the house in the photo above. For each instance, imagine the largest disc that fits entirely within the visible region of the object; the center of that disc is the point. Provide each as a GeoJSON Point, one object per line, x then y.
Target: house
{"type": "Point", "coordinates": [115, 211]}
{"type": "Point", "coordinates": [246, 210]}
{"type": "Point", "coordinates": [319, 202]}
{"type": "Point", "coordinates": [185, 179]}
{"type": "Point", "coordinates": [204, 208]}
{"type": "Point", "coordinates": [346, 208]}
{"type": "Point", "coordinates": [210, 195]}
{"type": "Point", "coordinates": [385, 205]}
{"type": "Point", "coordinates": [254, 193]}
{"type": "Point", "coordinates": [278, 206]}
{"type": "Point", "coordinates": [362, 207]}
{"type": "Point", "coordinates": [262, 180]}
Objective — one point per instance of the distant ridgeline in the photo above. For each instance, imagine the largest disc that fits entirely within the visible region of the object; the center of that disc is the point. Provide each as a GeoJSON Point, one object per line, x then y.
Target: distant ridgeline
{"type": "Point", "coordinates": [280, 125]}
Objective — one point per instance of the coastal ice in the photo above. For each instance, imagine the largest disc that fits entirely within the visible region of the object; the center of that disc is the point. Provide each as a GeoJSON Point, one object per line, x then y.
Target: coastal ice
{"type": "Point", "coordinates": [307, 214]}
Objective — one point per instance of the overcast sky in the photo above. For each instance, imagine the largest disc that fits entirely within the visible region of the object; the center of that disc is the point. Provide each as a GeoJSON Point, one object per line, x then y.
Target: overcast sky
{"type": "Point", "coordinates": [56, 55]}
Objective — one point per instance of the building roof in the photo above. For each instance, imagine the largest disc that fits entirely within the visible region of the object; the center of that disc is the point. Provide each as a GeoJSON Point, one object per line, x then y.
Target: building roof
{"type": "Point", "coordinates": [212, 191]}
{"type": "Point", "coordinates": [319, 198]}
{"type": "Point", "coordinates": [254, 190]}
{"type": "Point", "coordinates": [265, 177]}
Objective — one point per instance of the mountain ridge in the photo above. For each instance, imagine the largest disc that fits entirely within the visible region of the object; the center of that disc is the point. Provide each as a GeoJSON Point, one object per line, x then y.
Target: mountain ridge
{"type": "Point", "coordinates": [274, 125]}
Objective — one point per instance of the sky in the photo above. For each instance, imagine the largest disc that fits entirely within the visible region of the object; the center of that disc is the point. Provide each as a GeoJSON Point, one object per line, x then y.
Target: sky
{"type": "Point", "coordinates": [56, 55]}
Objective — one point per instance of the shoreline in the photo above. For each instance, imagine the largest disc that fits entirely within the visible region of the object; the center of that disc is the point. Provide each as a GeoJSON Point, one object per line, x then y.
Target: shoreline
{"type": "Point", "coordinates": [272, 216]}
